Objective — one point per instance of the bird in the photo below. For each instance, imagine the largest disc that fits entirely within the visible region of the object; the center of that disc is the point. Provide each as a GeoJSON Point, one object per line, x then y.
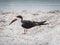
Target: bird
{"type": "Point", "coordinates": [27, 24]}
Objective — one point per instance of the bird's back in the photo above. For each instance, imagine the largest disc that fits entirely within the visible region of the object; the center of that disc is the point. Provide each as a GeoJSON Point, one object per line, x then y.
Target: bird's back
{"type": "Point", "coordinates": [30, 24]}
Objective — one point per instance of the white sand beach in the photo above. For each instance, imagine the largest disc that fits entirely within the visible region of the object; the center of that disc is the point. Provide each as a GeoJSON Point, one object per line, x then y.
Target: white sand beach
{"type": "Point", "coordinates": [39, 35]}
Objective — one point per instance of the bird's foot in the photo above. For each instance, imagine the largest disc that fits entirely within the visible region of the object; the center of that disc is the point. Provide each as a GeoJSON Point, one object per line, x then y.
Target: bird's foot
{"type": "Point", "coordinates": [23, 33]}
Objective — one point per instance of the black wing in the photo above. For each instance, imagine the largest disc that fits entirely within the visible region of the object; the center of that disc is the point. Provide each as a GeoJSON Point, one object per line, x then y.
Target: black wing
{"type": "Point", "coordinates": [29, 24]}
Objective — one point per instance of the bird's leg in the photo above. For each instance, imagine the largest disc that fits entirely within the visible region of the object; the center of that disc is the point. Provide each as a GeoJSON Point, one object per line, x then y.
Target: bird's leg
{"type": "Point", "coordinates": [25, 31]}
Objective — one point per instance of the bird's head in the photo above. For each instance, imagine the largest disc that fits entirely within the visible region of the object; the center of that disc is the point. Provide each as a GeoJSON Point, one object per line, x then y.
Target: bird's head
{"type": "Point", "coordinates": [16, 18]}
{"type": "Point", "coordinates": [19, 17]}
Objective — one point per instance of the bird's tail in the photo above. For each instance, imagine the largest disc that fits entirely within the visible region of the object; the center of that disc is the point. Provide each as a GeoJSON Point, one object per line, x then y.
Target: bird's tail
{"type": "Point", "coordinates": [42, 23]}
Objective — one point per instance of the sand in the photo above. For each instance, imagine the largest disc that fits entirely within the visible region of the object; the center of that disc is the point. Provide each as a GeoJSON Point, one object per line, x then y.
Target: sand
{"type": "Point", "coordinates": [40, 35]}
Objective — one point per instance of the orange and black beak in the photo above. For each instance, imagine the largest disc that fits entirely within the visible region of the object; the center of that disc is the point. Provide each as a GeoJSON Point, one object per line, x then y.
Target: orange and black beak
{"type": "Point", "coordinates": [15, 19]}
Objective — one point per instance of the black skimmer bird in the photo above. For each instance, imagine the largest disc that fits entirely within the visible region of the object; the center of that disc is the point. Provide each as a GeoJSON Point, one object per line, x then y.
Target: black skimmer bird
{"type": "Point", "coordinates": [28, 24]}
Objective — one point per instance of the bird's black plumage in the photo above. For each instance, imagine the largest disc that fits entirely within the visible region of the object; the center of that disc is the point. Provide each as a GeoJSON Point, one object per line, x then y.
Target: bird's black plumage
{"type": "Point", "coordinates": [29, 24]}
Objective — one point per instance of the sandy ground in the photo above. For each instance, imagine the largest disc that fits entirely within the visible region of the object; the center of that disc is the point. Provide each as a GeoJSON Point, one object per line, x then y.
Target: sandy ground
{"type": "Point", "coordinates": [39, 35]}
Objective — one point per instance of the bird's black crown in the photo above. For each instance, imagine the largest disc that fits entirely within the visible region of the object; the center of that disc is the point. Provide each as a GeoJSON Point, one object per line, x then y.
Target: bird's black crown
{"type": "Point", "coordinates": [20, 17]}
